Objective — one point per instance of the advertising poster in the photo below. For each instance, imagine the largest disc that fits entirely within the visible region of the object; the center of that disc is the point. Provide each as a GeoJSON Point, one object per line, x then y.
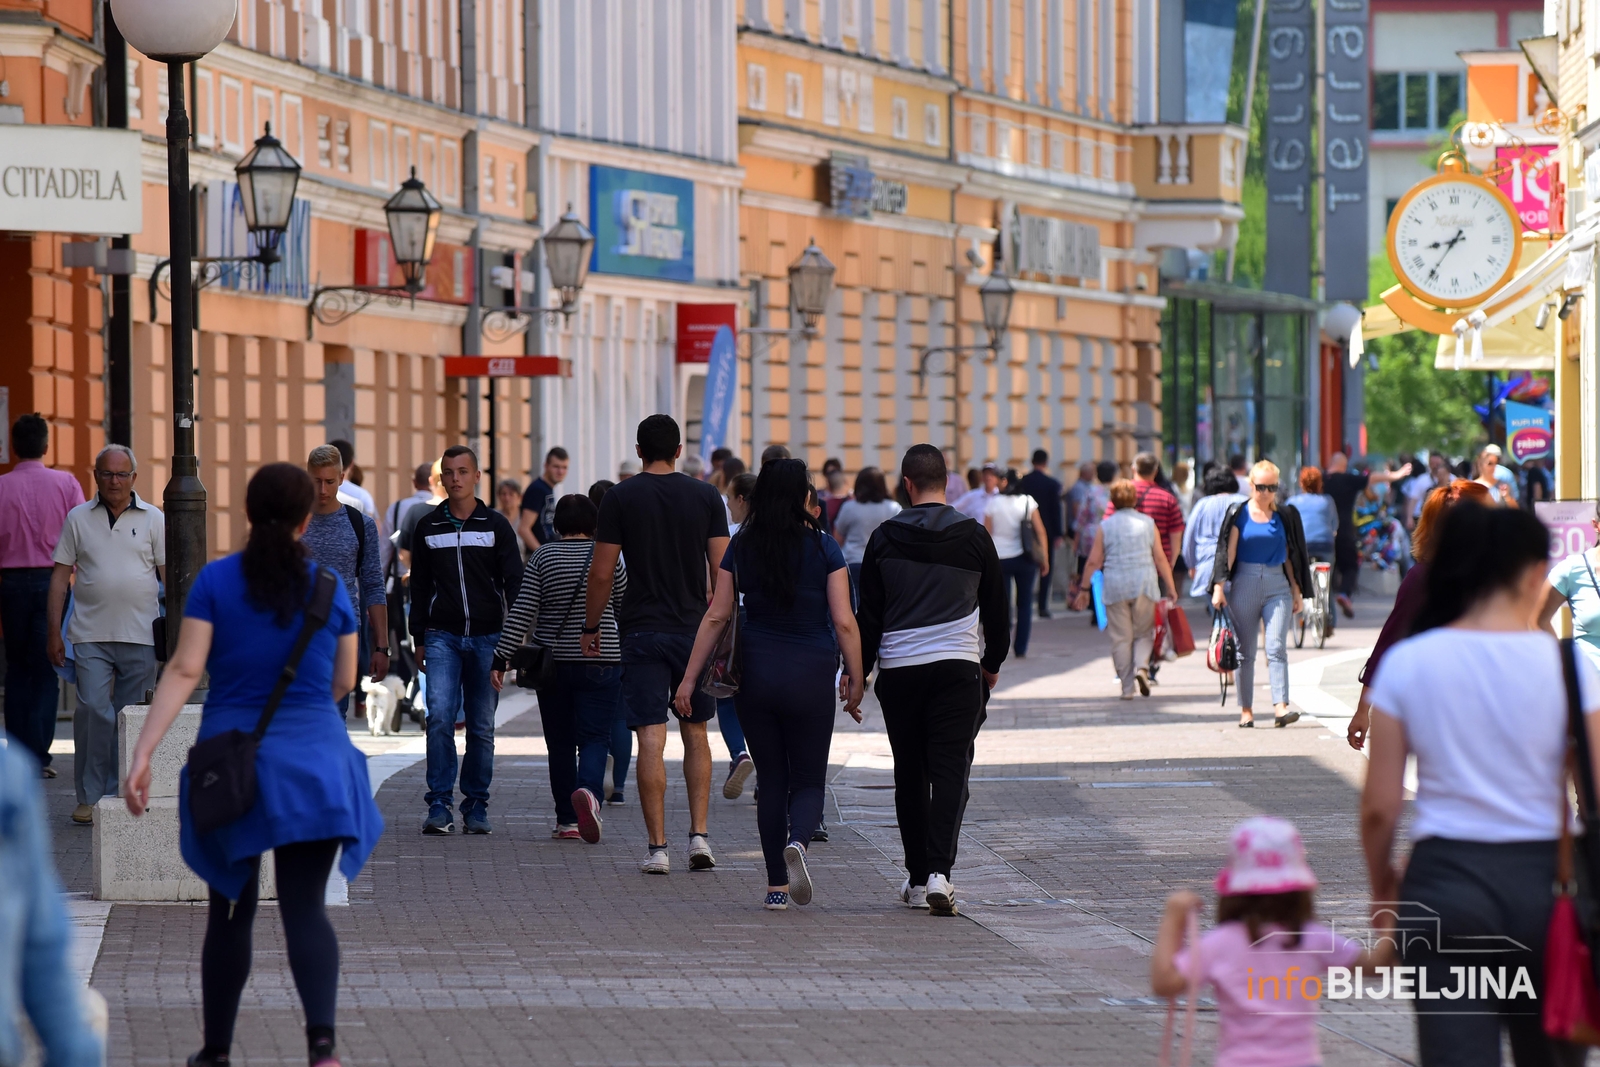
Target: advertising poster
{"type": "Point", "coordinates": [1530, 432]}
{"type": "Point", "coordinates": [698, 325]}
{"type": "Point", "coordinates": [1527, 182]}
{"type": "Point", "coordinates": [643, 224]}
{"type": "Point", "coordinates": [1571, 524]}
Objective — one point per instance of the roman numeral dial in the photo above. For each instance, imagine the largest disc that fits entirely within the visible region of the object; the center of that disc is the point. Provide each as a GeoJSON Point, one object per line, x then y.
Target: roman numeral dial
{"type": "Point", "coordinates": [1453, 240]}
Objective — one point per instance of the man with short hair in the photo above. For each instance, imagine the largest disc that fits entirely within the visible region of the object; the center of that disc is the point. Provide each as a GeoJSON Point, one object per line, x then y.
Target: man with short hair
{"type": "Point", "coordinates": [1157, 503]}
{"type": "Point", "coordinates": [1046, 492]}
{"type": "Point", "coordinates": [672, 530]}
{"type": "Point", "coordinates": [772, 452]}
{"type": "Point", "coordinates": [408, 522]}
{"type": "Point", "coordinates": [1241, 472]}
{"type": "Point", "coordinates": [1343, 486]}
{"type": "Point", "coordinates": [936, 618]}
{"type": "Point", "coordinates": [420, 481]}
{"type": "Point", "coordinates": [466, 566]}
{"type": "Point", "coordinates": [352, 493]}
{"type": "Point", "coordinates": [34, 502]}
{"type": "Point", "coordinates": [537, 523]}
{"type": "Point", "coordinates": [344, 540]}
{"type": "Point", "coordinates": [117, 544]}
{"type": "Point", "coordinates": [974, 503]}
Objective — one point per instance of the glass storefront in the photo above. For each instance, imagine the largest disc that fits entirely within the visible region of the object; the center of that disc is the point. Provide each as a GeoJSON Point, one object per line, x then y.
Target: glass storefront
{"type": "Point", "coordinates": [1233, 375]}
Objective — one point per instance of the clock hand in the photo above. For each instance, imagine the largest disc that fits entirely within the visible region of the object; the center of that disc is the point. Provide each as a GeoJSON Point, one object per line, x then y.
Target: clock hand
{"type": "Point", "coordinates": [1460, 236]}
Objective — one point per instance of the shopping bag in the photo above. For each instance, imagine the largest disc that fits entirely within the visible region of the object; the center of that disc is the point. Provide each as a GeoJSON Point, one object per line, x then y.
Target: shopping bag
{"type": "Point", "coordinates": [1179, 636]}
{"type": "Point", "coordinates": [1571, 995]}
{"type": "Point", "coordinates": [1097, 591]}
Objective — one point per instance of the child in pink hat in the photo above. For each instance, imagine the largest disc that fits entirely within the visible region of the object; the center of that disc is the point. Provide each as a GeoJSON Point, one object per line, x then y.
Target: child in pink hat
{"type": "Point", "coordinates": [1266, 959]}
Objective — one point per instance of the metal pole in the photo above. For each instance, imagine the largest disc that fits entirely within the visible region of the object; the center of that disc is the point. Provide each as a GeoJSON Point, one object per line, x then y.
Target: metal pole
{"type": "Point", "coordinates": [494, 434]}
{"type": "Point", "coordinates": [185, 498]}
{"type": "Point", "coordinates": [1249, 110]}
{"type": "Point", "coordinates": [119, 326]}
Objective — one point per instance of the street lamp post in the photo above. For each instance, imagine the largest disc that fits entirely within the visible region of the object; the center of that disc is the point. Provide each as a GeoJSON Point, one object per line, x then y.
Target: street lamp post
{"type": "Point", "coordinates": [567, 250]}
{"type": "Point", "coordinates": [810, 289]}
{"type": "Point", "coordinates": [176, 34]}
{"type": "Point", "coordinates": [413, 215]}
{"type": "Point", "coordinates": [995, 296]}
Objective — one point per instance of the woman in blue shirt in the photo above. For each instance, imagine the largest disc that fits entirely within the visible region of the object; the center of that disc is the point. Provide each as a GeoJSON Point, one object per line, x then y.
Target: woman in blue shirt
{"type": "Point", "coordinates": [797, 622]}
{"type": "Point", "coordinates": [313, 797]}
{"type": "Point", "coordinates": [1318, 515]}
{"type": "Point", "coordinates": [1264, 549]}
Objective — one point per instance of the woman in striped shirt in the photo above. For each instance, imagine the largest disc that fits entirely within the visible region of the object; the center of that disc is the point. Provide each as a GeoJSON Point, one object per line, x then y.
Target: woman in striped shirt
{"type": "Point", "coordinates": [580, 705]}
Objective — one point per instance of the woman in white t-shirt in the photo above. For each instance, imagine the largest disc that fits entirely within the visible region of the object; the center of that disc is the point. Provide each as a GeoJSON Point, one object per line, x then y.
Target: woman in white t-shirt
{"type": "Point", "coordinates": [1004, 517]}
{"type": "Point", "coordinates": [1480, 699]}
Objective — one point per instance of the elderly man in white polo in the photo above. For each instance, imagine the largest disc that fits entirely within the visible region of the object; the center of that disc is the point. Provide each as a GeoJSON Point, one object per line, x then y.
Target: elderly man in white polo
{"type": "Point", "coordinates": [117, 544]}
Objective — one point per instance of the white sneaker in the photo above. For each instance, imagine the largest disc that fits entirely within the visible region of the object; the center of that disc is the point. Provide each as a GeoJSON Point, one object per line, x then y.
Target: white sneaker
{"type": "Point", "coordinates": [700, 857]}
{"type": "Point", "coordinates": [794, 858]}
{"type": "Point", "coordinates": [913, 896]}
{"type": "Point", "coordinates": [941, 895]}
{"type": "Point", "coordinates": [657, 861]}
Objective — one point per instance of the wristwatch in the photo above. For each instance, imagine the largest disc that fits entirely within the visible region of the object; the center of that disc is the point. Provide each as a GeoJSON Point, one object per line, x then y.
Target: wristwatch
{"type": "Point", "coordinates": [383, 650]}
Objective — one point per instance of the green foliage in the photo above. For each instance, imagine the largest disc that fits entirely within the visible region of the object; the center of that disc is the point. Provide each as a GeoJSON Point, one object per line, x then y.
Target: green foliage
{"type": "Point", "coordinates": [1441, 142]}
{"type": "Point", "coordinates": [1250, 254]}
{"type": "Point", "coordinates": [1410, 405]}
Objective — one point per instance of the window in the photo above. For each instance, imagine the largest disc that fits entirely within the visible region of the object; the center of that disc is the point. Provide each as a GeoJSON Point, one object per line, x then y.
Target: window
{"type": "Point", "coordinates": [900, 119]}
{"type": "Point", "coordinates": [850, 18]}
{"type": "Point", "coordinates": [1058, 152]}
{"type": "Point", "coordinates": [980, 135]}
{"type": "Point", "coordinates": [830, 96]}
{"type": "Point", "coordinates": [866, 116]}
{"type": "Point", "coordinates": [932, 125]}
{"type": "Point", "coordinates": [487, 186]}
{"type": "Point", "coordinates": [1388, 208]}
{"type": "Point", "coordinates": [205, 122]}
{"type": "Point", "coordinates": [378, 154]}
{"type": "Point", "coordinates": [755, 87]}
{"type": "Point", "coordinates": [794, 96]}
{"type": "Point", "coordinates": [1035, 148]}
{"type": "Point", "coordinates": [325, 142]}
{"type": "Point", "coordinates": [1415, 100]}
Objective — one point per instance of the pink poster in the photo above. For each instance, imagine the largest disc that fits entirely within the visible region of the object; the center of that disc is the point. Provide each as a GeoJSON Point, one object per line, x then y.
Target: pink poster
{"type": "Point", "coordinates": [1527, 183]}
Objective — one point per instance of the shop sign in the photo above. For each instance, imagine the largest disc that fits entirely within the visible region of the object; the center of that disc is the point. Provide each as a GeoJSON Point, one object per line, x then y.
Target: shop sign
{"type": "Point", "coordinates": [1525, 179]}
{"type": "Point", "coordinates": [70, 179]}
{"type": "Point", "coordinates": [856, 192]}
{"type": "Point", "coordinates": [1291, 48]}
{"type": "Point", "coordinates": [507, 367]}
{"type": "Point", "coordinates": [698, 325]}
{"type": "Point", "coordinates": [1344, 148]}
{"type": "Point", "coordinates": [449, 276]}
{"type": "Point", "coordinates": [1571, 526]}
{"type": "Point", "coordinates": [1530, 431]}
{"type": "Point", "coordinates": [1055, 247]}
{"type": "Point", "coordinates": [643, 224]}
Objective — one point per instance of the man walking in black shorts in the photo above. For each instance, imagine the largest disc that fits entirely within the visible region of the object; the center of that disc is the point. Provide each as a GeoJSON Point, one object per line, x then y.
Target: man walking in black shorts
{"type": "Point", "coordinates": [672, 530]}
{"type": "Point", "coordinates": [936, 618]}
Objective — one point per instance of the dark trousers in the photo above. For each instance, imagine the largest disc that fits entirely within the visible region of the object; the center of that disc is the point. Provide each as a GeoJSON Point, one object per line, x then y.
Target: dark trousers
{"type": "Point", "coordinates": [1462, 895]}
{"type": "Point", "coordinates": [32, 689]}
{"type": "Point", "coordinates": [1021, 571]}
{"type": "Point", "coordinates": [1045, 583]}
{"type": "Point", "coordinates": [932, 712]}
{"type": "Point", "coordinates": [1346, 565]}
{"type": "Point", "coordinates": [785, 703]}
{"type": "Point", "coordinates": [578, 711]}
{"type": "Point", "coordinates": [302, 875]}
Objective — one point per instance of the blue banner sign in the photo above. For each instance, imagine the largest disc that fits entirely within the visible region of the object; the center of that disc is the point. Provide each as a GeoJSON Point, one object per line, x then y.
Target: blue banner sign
{"type": "Point", "coordinates": [722, 379]}
{"type": "Point", "coordinates": [643, 224]}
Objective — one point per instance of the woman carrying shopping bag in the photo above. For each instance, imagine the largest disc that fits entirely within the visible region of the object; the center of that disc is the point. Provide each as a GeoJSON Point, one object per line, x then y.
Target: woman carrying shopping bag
{"type": "Point", "coordinates": [1261, 569]}
{"type": "Point", "coordinates": [1135, 571]}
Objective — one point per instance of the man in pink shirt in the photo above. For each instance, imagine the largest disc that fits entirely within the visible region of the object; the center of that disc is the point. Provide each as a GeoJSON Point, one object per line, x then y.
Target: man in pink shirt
{"type": "Point", "coordinates": [34, 501]}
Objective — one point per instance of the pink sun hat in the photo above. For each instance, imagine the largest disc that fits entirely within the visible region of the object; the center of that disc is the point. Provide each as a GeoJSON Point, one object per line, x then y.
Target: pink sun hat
{"type": "Point", "coordinates": [1265, 856]}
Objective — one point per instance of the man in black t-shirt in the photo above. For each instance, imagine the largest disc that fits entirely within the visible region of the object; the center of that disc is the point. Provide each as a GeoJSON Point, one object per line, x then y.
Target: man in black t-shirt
{"type": "Point", "coordinates": [672, 530]}
{"type": "Point", "coordinates": [1343, 486]}
{"type": "Point", "coordinates": [537, 523]}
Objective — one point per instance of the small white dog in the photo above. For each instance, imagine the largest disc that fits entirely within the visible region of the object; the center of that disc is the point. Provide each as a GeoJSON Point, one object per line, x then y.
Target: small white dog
{"type": "Point", "coordinates": [382, 696]}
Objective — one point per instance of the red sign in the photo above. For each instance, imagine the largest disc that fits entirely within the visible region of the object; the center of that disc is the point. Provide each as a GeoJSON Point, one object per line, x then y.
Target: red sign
{"type": "Point", "coordinates": [449, 276]}
{"type": "Point", "coordinates": [697, 325]}
{"type": "Point", "coordinates": [507, 367]}
{"type": "Point", "coordinates": [1527, 182]}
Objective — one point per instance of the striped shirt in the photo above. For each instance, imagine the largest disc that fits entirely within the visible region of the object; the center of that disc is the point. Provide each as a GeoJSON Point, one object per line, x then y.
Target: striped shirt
{"type": "Point", "coordinates": [1161, 506]}
{"type": "Point", "coordinates": [551, 605]}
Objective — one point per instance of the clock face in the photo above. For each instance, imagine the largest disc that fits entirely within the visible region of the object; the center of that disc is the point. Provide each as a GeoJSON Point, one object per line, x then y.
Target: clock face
{"type": "Point", "coordinates": [1454, 240]}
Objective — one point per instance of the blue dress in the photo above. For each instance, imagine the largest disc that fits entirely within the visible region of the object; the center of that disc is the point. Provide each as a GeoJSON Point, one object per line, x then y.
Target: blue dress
{"type": "Point", "coordinates": [311, 782]}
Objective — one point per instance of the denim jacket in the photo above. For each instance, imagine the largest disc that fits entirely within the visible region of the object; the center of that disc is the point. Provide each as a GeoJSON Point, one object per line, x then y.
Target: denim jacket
{"type": "Point", "coordinates": [35, 938]}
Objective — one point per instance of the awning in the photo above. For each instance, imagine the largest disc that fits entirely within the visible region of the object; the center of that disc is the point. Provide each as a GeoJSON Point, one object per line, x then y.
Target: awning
{"type": "Point", "coordinates": [1513, 345]}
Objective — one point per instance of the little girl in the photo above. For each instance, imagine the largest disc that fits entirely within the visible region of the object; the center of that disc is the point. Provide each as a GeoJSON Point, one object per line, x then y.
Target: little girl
{"type": "Point", "coordinates": [1266, 959]}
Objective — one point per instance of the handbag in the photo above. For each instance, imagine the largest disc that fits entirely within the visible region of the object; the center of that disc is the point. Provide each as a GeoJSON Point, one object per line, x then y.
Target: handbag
{"type": "Point", "coordinates": [222, 769]}
{"type": "Point", "coordinates": [1571, 994]}
{"type": "Point", "coordinates": [1191, 995]}
{"type": "Point", "coordinates": [720, 678]}
{"type": "Point", "coordinates": [534, 663]}
{"type": "Point", "coordinates": [1030, 540]}
{"type": "Point", "coordinates": [1222, 654]}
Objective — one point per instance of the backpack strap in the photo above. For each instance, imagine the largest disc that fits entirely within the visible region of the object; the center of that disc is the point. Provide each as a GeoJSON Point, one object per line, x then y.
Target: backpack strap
{"type": "Point", "coordinates": [317, 612]}
{"type": "Point", "coordinates": [358, 521]}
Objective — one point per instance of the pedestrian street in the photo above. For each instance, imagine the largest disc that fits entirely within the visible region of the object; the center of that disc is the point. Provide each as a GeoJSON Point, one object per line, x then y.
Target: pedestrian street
{"type": "Point", "coordinates": [518, 949]}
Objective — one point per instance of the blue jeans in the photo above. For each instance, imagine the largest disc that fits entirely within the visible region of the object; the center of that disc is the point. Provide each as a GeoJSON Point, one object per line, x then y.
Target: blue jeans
{"type": "Point", "coordinates": [732, 729]}
{"type": "Point", "coordinates": [578, 710]}
{"type": "Point", "coordinates": [458, 679]}
{"type": "Point", "coordinates": [1021, 572]}
{"type": "Point", "coordinates": [32, 688]}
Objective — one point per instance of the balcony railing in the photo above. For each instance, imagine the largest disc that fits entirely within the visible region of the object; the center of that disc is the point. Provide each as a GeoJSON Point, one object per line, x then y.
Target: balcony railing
{"type": "Point", "coordinates": [1199, 162]}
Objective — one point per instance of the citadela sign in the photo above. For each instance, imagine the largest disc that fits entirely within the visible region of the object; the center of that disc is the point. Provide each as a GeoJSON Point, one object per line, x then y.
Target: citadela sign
{"type": "Point", "coordinates": [643, 224]}
{"type": "Point", "coordinates": [1529, 431]}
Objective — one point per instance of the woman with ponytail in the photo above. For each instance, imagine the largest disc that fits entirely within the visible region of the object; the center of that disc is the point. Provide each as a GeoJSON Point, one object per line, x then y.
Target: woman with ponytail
{"type": "Point", "coordinates": [1480, 698]}
{"type": "Point", "coordinates": [241, 620]}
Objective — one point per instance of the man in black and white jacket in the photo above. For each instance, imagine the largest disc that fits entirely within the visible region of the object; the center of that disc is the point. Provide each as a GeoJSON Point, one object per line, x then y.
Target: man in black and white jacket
{"type": "Point", "coordinates": [935, 617]}
{"type": "Point", "coordinates": [465, 568]}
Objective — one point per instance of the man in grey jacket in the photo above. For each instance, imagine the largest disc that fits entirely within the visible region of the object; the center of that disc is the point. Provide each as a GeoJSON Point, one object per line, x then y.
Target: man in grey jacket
{"type": "Point", "coordinates": [935, 617]}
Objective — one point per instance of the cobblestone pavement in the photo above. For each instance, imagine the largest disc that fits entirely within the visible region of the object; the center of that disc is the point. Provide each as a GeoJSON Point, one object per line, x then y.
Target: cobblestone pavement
{"type": "Point", "coordinates": [517, 949]}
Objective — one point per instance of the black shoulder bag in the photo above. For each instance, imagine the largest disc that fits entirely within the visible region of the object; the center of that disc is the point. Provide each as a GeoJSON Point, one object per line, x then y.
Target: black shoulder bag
{"type": "Point", "coordinates": [222, 769]}
{"type": "Point", "coordinates": [534, 663]}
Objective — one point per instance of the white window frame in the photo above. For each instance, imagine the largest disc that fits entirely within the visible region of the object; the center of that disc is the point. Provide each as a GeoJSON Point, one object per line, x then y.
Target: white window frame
{"type": "Point", "coordinates": [932, 125]}
{"type": "Point", "coordinates": [794, 95]}
{"type": "Point", "coordinates": [900, 119]}
{"type": "Point", "coordinates": [755, 87]}
{"type": "Point", "coordinates": [378, 151]}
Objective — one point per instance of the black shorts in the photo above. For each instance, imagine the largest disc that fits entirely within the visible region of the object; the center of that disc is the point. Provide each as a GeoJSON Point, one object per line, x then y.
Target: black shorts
{"type": "Point", "coordinates": [652, 669]}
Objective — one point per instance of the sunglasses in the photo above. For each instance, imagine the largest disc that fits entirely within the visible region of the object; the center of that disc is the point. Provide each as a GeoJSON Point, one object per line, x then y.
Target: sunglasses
{"type": "Point", "coordinates": [1273, 488]}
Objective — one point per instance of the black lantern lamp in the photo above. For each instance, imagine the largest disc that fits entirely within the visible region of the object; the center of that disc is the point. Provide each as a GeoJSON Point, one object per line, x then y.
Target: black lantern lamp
{"type": "Point", "coordinates": [267, 178]}
{"type": "Point", "coordinates": [810, 285]}
{"type": "Point", "coordinates": [413, 215]}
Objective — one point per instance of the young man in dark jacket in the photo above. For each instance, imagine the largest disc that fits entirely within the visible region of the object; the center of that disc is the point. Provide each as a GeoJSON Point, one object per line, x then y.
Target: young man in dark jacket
{"type": "Point", "coordinates": [465, 569]}
{"type": "Point", "coordinates": [935, 618]}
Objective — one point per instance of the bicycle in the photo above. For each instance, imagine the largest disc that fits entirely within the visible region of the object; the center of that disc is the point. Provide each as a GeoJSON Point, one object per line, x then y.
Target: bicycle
{"type": "Point", "coordinates": [1316, 611]}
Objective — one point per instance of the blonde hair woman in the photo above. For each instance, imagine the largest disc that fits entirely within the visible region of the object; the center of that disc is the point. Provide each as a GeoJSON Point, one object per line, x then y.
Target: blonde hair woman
{"type": "Point", "coordinates": [1261, 567]}
{"type": "Point", "coordinates": [1129, 551]}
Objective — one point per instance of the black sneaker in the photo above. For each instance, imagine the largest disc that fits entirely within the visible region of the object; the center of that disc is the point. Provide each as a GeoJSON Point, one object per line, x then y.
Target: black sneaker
{"type": "Point", "coordinates": [738, 774]}
{"type": "Point", "coordinates": [439, 822]}
{"type": "Point", "coordinates": [820, 833]}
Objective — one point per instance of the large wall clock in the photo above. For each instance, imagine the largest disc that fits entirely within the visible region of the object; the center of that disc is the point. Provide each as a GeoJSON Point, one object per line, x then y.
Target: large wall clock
{"type": "Point", "coordinates": [1454, 239]}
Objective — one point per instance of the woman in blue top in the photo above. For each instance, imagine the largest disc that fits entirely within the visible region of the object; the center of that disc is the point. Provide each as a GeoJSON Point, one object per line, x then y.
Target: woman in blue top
{"type": "Point", "coordinates": [313, 797]}
{"type": "Point", "coordinates": [1262, 560]}
{"type": "Point", "coordinates": [797, 622]}
{"type": "Point", "coordinates": [1318, 515]}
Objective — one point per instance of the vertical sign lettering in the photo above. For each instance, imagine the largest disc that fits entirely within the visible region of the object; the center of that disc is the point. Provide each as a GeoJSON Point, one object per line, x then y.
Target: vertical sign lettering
{"type": "Point", "coordinates": [1288, 146]}
{"type": "Point", "coordinates": [1345, 156]}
